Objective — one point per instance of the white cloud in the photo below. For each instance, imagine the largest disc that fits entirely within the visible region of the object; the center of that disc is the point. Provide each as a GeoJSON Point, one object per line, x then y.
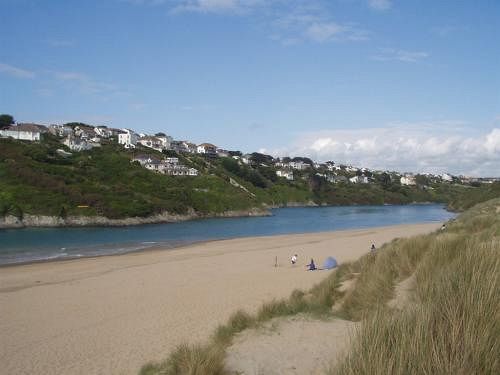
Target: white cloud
{"type": "Point", "coordinates": [321, 32]}
{"type": "Point", "coordinates": [379, 4]}
{"type": "Point", "coordinates": [314, 24]}
{"type": "Point", "coordinates": [391, 54]}
{"type": "Point", "coordinates": [424, 147]}
{"type": "Point", "coordinates": [16, 72]}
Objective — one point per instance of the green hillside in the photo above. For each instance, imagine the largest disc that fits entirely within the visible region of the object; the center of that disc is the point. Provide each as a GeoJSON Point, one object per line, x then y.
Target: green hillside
{"type": "Point", "coordinates": [36, 179]}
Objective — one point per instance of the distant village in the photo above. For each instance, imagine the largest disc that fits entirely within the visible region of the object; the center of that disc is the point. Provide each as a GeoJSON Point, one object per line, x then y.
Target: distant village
{"type": "Point", "coordinates": [79, 137]}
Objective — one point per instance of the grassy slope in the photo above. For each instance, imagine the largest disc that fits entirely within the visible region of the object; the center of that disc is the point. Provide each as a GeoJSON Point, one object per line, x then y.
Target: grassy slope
{"type": "Point", "coordinates": [34, 179]}
{"type": "Point", "coordinates": [454, 326]}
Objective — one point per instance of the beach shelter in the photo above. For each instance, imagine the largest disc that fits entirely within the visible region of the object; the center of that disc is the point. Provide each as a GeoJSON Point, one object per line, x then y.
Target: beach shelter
{"type": "Point", "coordinates": [329, 263]}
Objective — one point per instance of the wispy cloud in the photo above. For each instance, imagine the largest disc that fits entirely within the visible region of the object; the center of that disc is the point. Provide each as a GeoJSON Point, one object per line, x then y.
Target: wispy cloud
{"type": "Point", "coordinates": [419, 147]}
{"type": "Point", "coordinates": [289, 22]}
{"type": "Point", "coordinates": [380, 4]}
{"type": "Point", "coordinates": [85, 83]}
{"type": "Point", "coordinates": [217, 6]}
{"type": "Point", "coordinates": [16, 72]}
{"type": "Point", "coordinates": [390, 54]}
{"type": "Point", "coordinates": [313, 23]}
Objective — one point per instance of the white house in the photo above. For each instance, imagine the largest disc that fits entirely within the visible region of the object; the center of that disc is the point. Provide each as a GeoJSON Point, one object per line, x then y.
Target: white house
{"type": "Point", "coordinates": [408, 180]}
{"type": "Point", "coordinates": [246, 159]}
{"type": "Point", "coordinates": [207, 149]}
{"type": "Point", "coordinates": [103, 131]}
{"type": "Point", "coordinates": [222, 153]}
{"type": "Point", "coordinates": [24, 132]}
{"type": "Point", "coordinates": [61, 130]}
{"type": "Point", "coordinates": [78, 144]}
{"type": "Point", "coordinates": [152, 142]}
{"type": "Point", "coordinates": [446, 177]}
{"type": "Point", "coordinates": [84, 132]}
{"type": "Point", "coordinates": [286, 174]}
{"type": "Point", "coordinates": [359, 180]}
{"type": "Point", "coordinates": [128, 138]}
{"type": "Point", "coordinates": [172, 160]}
{"type": "Point", "coordinates": [299, 165]}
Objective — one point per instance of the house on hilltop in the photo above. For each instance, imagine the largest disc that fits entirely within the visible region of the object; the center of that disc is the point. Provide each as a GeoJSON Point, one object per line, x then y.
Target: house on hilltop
{"type": "Point", "coordinates": [286, 174]}
{"type": "Point", "coordinates": [79, 144]}
{"type": "Point", "coordinates": [128, 138]}
{"type": "Point", "coordinates": [103, 131]}
{"type": "Point", "coordinates": [60, 130]}
{"type": "Point", "coordinates": [24, 132]}
{"type": "Point", "coordinates": [359, 180]}
{"type": "Point", "coordinates": [207, 149]}
{"type": "Point", "coordinates": [408, 180]}
{"type": "Point", "coordinates": [152, 142]}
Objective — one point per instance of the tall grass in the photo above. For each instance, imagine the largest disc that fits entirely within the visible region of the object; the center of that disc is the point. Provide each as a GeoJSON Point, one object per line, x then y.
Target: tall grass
{"type": "Point", "coordinates": [454, 326]}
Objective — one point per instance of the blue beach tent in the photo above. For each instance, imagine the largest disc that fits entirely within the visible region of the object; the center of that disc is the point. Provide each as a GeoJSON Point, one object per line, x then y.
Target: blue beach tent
{"type": "Point", "coordinates": [330, 263]}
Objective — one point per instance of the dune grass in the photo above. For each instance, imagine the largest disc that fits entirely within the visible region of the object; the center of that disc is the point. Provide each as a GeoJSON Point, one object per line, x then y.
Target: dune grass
{"type": "Point", "coordinates": [453, 326]}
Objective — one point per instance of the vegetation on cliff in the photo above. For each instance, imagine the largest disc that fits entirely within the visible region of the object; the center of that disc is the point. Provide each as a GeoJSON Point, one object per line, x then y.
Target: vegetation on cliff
{"type": "Point", "coordinates": [37, 179]}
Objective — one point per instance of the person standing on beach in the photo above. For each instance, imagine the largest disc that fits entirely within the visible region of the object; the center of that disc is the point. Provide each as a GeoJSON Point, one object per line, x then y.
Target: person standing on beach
{"type": "Point", "coordinates": [373, 247]}
{"type": "Point", "coordinates": [311, 265]}
{"type": "Point", "coordinates": [294, 259]}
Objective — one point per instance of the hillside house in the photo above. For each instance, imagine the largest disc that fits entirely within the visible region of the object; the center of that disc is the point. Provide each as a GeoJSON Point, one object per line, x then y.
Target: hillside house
{"type": "Point", "coordinates": [246, 159]}
{"type": "Point", "coordinates": [299, 165]}
{"type": "Point", "coordinates": [339, 179]}
{"type": "Point", "coordinates": [152, 142]}
{"type": "Point", "coordinates": [286, 174]}
{"type": "Point", "coordinates": [143, 159]}
{"type": "Point", "coordinates": [207, 149]}
{"type": "Point", "coordinates": [79, 144]}
{"type": "Point", "coordinates": [184, 147]}
{"type": "Point", "coordinates": [84, 132]}
{"type": "Point", "coordinates": [60, 130]}
{"type": "Point", "coordinates": [103, 131]}
{"type": "Point", "coordinates": [407, 180]}
{"type": "Point", "coordinates": [446, 177]}
{"type": "Point", "coordinates": [24, 132]}
{"type": "Point", "coordinates": [359, 180]}
{"type": "Point", "coordinates": [222, 153]}
{"type": "Point", "coordinates": [128, 138]}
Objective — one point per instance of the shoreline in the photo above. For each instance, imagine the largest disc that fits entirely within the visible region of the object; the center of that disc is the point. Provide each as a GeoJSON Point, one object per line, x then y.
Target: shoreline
{"type": "Point", "coordinates": [45, 221]}
{"type": "Point", "coordinates": [164, 247]}
{"type": "Point", "coordinates": [113, 314]}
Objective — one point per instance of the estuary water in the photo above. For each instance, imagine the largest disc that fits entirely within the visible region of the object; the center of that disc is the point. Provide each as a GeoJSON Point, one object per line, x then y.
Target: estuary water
{"type": "Point", "coordinates": [42, 244]}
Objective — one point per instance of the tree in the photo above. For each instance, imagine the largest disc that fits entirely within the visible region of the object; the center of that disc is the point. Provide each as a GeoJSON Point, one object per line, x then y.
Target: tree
{"type": "Point", "coordinates": [160, 134]}
{"type": "Point", "coordinates": [6, 121]}
{"type": "Point", "coordinates": [259, 158]}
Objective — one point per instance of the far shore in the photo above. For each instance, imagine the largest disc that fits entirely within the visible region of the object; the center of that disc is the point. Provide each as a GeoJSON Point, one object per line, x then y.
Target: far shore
{"type": "Point", "coordinates": [112, 314]}
{"type": "Point", "coordinates": [46, 221]}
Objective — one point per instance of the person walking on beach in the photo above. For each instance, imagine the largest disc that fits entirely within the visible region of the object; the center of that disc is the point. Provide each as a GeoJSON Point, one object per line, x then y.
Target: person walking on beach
{"type": "Point", "coordinates": [372, 249]}
{"type": "Point", "coordinates": [294, 259]}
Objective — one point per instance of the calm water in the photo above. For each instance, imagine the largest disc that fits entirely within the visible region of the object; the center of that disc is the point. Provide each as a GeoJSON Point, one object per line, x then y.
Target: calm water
{"type": "Point", "coordinates": [27, 245]}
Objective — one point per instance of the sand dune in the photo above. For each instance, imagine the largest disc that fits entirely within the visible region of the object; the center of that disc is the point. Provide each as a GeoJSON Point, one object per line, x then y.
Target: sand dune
{"type": "Point", "coordinates": [110, 315]}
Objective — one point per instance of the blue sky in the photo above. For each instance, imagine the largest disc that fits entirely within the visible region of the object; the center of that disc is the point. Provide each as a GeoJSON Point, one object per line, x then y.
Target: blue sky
{"type": "Point", "coordinates": [405, 85]}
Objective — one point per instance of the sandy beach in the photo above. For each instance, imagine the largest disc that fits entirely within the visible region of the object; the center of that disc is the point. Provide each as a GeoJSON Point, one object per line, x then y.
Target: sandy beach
{"type": "Point", "coordinates": [111, 315]}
